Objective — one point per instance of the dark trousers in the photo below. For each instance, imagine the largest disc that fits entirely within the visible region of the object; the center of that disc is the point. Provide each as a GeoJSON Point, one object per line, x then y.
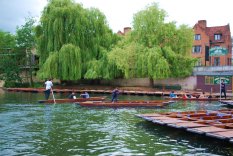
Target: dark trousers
{"type": "Point", "coordinates": [114, 98]}
{"type": "Point", "coordinates": [224, 93]}
{"type": "Point", "coordinates": [47, 93]}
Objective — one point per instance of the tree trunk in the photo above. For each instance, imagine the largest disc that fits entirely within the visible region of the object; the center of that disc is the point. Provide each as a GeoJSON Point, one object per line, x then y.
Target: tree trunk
{"type": "Point", "coordinates": [151, 82]}
{"type": "Point", "coordinates": [30, 66]}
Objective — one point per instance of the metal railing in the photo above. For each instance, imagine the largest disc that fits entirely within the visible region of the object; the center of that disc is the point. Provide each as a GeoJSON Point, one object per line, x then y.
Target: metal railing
{"type": "Point", "coordinates": [213, 69]}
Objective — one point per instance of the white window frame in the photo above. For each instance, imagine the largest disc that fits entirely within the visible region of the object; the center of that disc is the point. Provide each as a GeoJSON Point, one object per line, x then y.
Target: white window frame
{"type": "Point", "coordinates": [217, 37]}
{"type": "Point", "coordinates": [197, 37]}
{"type": "Point", "coordinates": [196, 49]}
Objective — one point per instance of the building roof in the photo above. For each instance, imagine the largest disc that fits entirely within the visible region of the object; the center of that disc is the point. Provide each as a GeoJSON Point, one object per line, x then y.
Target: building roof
{"type": "Point", "coordinates": [224, 30]}
{"type": "Point", "coordinates": [211, 31]}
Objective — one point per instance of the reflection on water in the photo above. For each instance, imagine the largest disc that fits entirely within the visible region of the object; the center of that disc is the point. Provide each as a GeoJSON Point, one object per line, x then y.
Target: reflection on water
{"type": "Point", "coordinates": [29, 128]}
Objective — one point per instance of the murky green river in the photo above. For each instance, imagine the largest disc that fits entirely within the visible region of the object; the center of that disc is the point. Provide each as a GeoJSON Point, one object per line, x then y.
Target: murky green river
{"type": "Point", "coordinates": [29, 128]}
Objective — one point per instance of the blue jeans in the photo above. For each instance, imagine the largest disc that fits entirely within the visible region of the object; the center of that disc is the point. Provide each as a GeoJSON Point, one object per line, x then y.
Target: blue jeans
{"type": "Point", "coordinates": [224, 92]}
{"type": "Point", "coordinates": [114, 98]}
{"type": "Point", "coordinates": [47, 93]}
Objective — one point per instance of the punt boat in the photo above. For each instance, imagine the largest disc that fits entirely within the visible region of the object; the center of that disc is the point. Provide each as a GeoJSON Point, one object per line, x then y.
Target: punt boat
{"type": "Point", "coordinates": [193, 99]}
{"type": "Point", "coordinates": [151, 103]}
{"type": "Point", "coordinates": [101, 98]}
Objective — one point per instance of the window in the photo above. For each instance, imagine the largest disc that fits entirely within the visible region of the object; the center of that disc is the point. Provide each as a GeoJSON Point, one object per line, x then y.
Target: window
{"type": "Point", "coordinates": [216, 61]}
{"type": "Point", "coordinates": [196, 49]}
{"type": "Point", "coordinates": [198, 63]}
{"type": "Point", "coordinates": [209, 80]}
{"type": "Point", "coordinates": [229, 61]}
{"type": "Point", "coordinates": [217, 36]}
{"type": "Point", "coordinates": [197, 37]}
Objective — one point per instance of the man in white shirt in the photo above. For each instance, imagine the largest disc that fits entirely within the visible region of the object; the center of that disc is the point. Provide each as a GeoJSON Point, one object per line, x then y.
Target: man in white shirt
{"type": "Point", "coordinates": [48, 87]}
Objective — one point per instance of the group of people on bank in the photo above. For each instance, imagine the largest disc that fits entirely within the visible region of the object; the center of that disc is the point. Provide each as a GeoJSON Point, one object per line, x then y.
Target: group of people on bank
{"type": "Point", "coordinates": [202, 95]}
{"type": "Point", "coordinates": [188, 96]}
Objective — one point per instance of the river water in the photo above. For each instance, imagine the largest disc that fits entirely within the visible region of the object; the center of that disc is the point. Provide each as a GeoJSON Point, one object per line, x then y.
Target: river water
{"type": "Point", "coordinates": [30, 128]}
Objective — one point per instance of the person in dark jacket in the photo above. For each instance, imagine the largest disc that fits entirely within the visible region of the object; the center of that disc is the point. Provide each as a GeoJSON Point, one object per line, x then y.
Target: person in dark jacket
{"type": "Point", "coordinates": [115, 93]}
{"type": "Point", "coordinates": [85, 95]}
{"type": "Point", "coordinates": [223, 89]}
{"type": "Point", "coordinates": [72, 96]}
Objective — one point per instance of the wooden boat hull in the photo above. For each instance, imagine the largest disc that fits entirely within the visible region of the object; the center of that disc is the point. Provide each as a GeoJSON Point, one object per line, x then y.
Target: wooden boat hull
{"type": "Point", "coordinates": [194, 99]}
{"type": "Point", "coordinates": [73, 100]}
{"type": "Point", "coordinates": [228, 103]}
{"type": "Point", "coordinates": [217, 124]}
{"type": "Point", "coordinates": [125, 104]}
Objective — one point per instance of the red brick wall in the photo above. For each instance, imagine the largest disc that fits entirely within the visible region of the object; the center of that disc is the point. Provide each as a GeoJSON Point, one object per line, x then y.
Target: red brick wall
{"type": "Point", "coordinates": [203, 42]}
{"type": "Point", "coordinates": [207, 34]}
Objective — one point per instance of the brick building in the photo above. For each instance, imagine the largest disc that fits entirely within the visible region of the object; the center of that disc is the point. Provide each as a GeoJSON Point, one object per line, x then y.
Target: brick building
{"type": "Point", "coordinates": [213, 47]}
{"type": "Point", "coordinates": [212, 38]}
{"type": "Point", "coordinates": [126, 30]}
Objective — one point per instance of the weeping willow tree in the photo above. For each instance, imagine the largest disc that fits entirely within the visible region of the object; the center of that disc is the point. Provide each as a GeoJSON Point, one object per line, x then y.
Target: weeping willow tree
{"type": "Point", "coordinates": [64, 63]}
{"type": "Point", "coordinates": [86, 31]}
{"type": "Point", "coordinates": [154, 49]}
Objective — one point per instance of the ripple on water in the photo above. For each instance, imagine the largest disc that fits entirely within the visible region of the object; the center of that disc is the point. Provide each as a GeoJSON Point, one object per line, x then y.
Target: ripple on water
{"type": "Point", "coordinates": [35, 129]}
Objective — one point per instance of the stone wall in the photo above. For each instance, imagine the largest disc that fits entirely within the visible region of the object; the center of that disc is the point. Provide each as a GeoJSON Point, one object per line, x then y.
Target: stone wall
{"type": "Point", "coordinates": [139, 82]}
{"type": "Point", "coordinates": [188, 83]}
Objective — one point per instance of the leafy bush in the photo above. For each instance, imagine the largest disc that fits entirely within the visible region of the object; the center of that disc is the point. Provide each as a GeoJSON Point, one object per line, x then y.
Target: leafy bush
{"type": "Point", "coordinates": [11, 84]}
{"type": "Point", "coordinates": [169, 87]}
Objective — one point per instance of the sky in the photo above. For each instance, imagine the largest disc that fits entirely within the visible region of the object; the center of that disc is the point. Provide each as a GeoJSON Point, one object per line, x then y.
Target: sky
{"type": "Point", "coordinates": [119, 13]}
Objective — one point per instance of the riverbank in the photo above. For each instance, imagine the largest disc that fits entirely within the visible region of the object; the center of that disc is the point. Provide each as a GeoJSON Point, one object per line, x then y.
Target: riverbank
{"type": "Point", "coordinates": [108, 90]}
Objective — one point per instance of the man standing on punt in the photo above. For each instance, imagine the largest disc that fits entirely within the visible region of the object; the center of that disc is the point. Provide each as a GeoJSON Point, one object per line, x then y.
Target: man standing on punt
{"type": "Point", "coordinates": [115, 93]}
{"type": "Point", "coordinates": [48, 87]}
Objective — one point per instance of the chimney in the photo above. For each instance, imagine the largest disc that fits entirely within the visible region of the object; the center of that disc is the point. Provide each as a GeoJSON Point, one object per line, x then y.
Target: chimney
{"type": "Point", "coordinates": [202, 23]}
{"type": "Point", "coordinates": [127, 29]}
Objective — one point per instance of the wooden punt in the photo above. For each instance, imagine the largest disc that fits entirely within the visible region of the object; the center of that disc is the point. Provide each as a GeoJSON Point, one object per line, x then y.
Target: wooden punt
{"type": "Point", "coordinates": [186, 125]}
{"type": "Point", "coordinates": [193, 99]}
{"type": "Point", "coordinates": [73, 100]}
{"type": "Point", "coordinates": [222, 135]}
{"type": "Point", "coordinates": [154, 103]}
{"type": "Point", "coordinates": [191, 116]}
{"type": "Point", "coordinates": [228, 103]}
{"type": "Point", "coordinates": [204, 130]}
{"type": "Point", "coordinates": [168, 121]}
{"type": "Point", "coordinates": [217, 124]}
{"type": "Point", "coordinates": [145, 116]}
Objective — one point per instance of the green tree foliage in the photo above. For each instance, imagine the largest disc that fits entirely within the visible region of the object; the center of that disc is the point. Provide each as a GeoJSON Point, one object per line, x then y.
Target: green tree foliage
{"type": "Point", "coordinates": [124, 56]}
{"type": "Point", "coordinates": [154, 49]}
{"type": "Point", "coordinates": [64, 63]}
{"type": "Point", "coordinates": [25, 34]}
{"type": "Point", "coordinates": [65, 22]}
{"type": "Point", "coordinates": [25, 41]}
{"type": "Point", "coordinates": [102, 69]}
{"type": "Point", "coordinates": [9, 69]}
{"type": "Point", "coordinates": [7, 40]}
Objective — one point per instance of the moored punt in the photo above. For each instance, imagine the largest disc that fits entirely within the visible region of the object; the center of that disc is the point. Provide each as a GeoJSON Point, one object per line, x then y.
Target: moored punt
{"type": "Point", "coordinates": [99, 91]}
{"type": "Point", "coordinates": [209, 129]}
{"type": "Point", "coordinates": [193, 99]}
{"type": "Point", "coordinates": [154, 103]}
{"type": "Point", "coordinates": [227, 102]}
{"type": "Point", "coordinates": [217, 124]}
{"type": "Point", "coordinates": [73, 100]}
{"type": "Point", "coordinates": [224, 135]}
